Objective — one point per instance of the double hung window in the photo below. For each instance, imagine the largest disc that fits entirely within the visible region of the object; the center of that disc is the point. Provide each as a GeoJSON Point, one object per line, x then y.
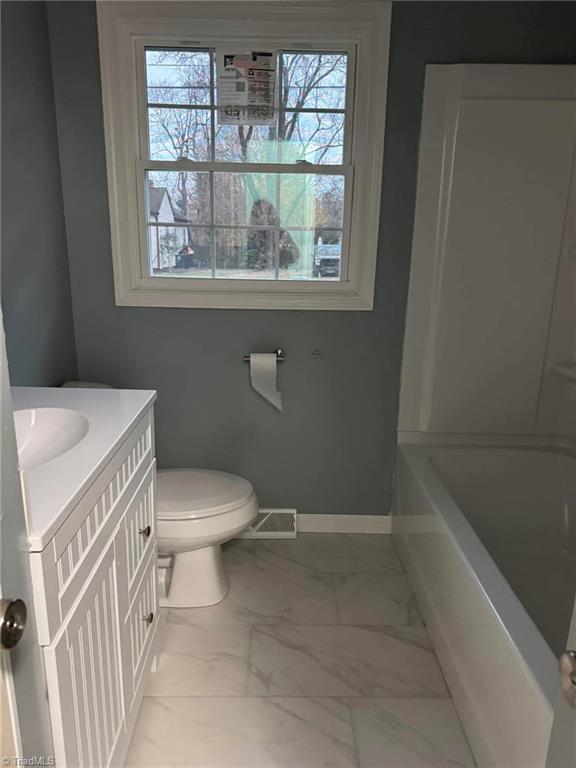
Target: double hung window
{"type": "Point", "coordinates": [273, 213]}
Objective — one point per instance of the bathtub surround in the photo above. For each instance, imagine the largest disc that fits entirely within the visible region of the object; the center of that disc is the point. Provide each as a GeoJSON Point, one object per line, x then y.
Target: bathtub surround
{"type": "Point", "coordinates": [345, 681]}
{"type": "Point", "coordinates": [35, 283]}
{"type": "Point", "coordinates": [497, 159]}
{"type": "Point", "coordinates": [556, 412]}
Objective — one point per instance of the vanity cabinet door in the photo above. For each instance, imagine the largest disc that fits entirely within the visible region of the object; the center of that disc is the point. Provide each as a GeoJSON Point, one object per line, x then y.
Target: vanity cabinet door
{"type": "Point", "coordinates": [83, 670]}
{"type": "Point", "coordinates": [138, 635]}
{"type": "Point", "coordinates": [135, 545]}
{"type": "Point", "coordinates": [140, 526]}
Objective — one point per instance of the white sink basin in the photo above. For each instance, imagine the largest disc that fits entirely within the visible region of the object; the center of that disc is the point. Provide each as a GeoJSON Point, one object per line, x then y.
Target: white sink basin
{"type": "Point", "coordinates": [42, 434]}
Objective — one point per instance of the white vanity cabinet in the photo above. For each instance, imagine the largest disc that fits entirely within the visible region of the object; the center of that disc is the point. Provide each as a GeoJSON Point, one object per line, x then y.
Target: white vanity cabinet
{"type": "Point", "coordinates": [96, 602]}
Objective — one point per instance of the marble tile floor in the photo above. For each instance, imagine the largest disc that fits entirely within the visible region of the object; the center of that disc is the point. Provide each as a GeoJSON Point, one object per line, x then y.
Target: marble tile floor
{"type": "Point", "coordinates": [317, 658]}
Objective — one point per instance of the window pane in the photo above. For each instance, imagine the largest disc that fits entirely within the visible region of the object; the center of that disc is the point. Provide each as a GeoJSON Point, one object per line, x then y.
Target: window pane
{"type": "Point", "coordinates": [317, 137]}
{"type": "Point", "coordinates": [180, 251]}
{"type": "Point", "coordinates": [246, 254]}
{"type": "Point", "coordinates": [311, 201]}
{"type": "Point", "coordinates": [179, 133]}
{"type": "Point", "coordinates": [178, 76]}
{"type": "Point", "coordinates": [178, 197]}
{"type": "Point", "coordinates": [245, 199]}
{"type": "Point", "coordinates": [314, 80]}
{"type": "Point", "coordinates": [311, 255]}
{"type": "Point", "coordinates": [327, 254]}
{"type": "Point", "coordinates": [247, 144]}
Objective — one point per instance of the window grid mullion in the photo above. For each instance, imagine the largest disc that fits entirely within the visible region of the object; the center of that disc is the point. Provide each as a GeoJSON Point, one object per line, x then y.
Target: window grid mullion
{"type": "Point", "coordinates": [279, 90]}
{"type": "Point", "coordinates": [214, 107]}
{"type": "Point", "coordinates": [277, 231]}
{"type": "Point", "coordinates": [225, 166]}
{"type": "Point", "coordinates": [212, 230]}
{"type": "Point", "coordinates": [167, 105]}
{"type": "Point", "coordinates": [213, 155]}
{"type": "Point", "coordinates": [276, 238]}
{"type": "Point", "coordinates": [263, 227]}
{"type": "Point", "coordinates": [276, 254]}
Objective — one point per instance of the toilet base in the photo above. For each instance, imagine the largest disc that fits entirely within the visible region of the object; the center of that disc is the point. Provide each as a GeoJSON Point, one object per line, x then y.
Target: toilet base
{"type": "Point", "coordinates": [198, 579]}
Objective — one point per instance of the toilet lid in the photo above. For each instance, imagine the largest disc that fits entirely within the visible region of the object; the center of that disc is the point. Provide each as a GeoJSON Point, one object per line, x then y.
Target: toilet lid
{"type": "Point", "coordinates": [190, 493]}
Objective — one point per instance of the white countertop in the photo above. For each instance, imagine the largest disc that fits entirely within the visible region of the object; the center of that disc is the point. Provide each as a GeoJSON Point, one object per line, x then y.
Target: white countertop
{"type": "Point", "coordinates": [53, 489]}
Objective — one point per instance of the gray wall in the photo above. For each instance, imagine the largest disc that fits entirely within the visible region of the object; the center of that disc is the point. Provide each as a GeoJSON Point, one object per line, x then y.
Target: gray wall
{"type": "Point", "coordinates": [332, 450]}
{"type": "Point", "coordinates": [35, 282]}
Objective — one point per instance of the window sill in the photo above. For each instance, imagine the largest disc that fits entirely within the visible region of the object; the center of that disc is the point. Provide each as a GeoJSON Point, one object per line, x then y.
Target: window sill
{"type": "Point", "coordinates": [214, 294]}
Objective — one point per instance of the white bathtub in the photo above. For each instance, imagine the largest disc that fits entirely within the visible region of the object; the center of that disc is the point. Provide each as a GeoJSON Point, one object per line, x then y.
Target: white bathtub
{"type": "Point", "coordinates": [488, 535]}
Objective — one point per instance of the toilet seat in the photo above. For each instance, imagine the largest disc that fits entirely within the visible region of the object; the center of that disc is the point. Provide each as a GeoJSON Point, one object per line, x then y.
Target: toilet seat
{"type": "Point", "coordinates": [190, 494]}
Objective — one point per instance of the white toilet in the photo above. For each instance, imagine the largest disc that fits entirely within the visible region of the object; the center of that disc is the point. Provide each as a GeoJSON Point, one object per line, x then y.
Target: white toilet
{"type": "Point", "coordinates": [198, 510]}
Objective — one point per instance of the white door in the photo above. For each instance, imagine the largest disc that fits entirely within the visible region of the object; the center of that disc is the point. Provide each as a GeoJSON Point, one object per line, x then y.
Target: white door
{"type": "Point", "coordinates": [562, 751]}
{"type": "Point", "coordinates": [24, 725]}
{"type": "Point", "coordinates": [7, 745]}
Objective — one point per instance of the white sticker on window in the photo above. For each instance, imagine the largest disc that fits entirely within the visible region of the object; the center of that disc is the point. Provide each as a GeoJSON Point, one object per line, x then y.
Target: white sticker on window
{"type": "Point", "coordinates": [246, 90]}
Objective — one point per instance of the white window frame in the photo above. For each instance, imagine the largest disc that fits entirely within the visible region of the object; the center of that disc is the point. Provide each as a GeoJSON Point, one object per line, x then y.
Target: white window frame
{"type": "Point", "coordinates": [361, 29]}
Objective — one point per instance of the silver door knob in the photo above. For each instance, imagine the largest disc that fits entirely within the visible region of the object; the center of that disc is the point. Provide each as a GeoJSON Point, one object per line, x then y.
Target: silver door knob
{"type": "Point", "coordinates": [568, 676]}
{"type": "Point", "coordinates": [12, 622]}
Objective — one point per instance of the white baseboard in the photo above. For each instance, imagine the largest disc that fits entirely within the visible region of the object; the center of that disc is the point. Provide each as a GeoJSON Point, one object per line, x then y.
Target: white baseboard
{"type": "Point", "coordinates": [344, 524]}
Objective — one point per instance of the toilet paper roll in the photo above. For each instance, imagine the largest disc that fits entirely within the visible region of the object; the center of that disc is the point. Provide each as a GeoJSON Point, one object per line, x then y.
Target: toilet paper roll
{"type": "Point", "coordinates": [263, 371]}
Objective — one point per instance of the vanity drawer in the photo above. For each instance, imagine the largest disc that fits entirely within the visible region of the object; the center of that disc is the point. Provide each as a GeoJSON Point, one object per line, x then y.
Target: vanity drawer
{"type": "Point", "coordinates": [60, 571]}
{"type": "Point", "coordinates": [139, 629]}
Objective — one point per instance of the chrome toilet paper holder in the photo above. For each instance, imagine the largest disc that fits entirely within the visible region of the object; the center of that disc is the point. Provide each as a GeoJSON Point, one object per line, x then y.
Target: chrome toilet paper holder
{"type": "Point", "coordinates": [280, 356]}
